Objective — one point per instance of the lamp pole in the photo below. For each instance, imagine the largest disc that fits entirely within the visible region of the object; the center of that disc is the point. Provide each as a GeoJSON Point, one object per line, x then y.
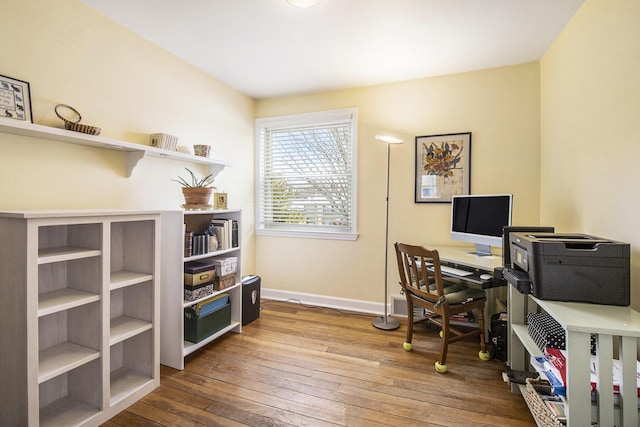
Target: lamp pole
{"type": "Point", "coordinates": [386, 323]}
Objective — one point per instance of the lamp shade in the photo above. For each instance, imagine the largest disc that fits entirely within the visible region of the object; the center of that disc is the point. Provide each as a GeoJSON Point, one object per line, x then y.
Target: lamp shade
{"type": "Point", "coordinates": [389, 139]}
{"type": "Point", "coordinates": [304, 3]}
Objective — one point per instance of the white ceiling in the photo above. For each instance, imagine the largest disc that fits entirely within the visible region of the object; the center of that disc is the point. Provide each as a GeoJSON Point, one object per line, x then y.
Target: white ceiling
{"type": "Point", "coordinates": [268, 48]}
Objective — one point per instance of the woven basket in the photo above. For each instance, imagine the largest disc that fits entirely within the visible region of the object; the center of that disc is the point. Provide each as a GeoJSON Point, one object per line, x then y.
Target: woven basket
{"type": "Point", "coordinates": [539, 409]}
{"type": "Point", "coordinates": [76, 126]}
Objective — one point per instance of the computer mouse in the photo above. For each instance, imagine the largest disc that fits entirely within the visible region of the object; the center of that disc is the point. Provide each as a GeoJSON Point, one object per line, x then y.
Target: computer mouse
{"type": "Point", "coordinates": [486, 276]}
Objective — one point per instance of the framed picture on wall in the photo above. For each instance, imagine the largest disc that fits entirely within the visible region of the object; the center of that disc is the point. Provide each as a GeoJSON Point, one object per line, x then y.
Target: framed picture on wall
{"type": "Point", "coordinates": [15, 99]}
{"type": "Point", "coordinates": [443, 167]}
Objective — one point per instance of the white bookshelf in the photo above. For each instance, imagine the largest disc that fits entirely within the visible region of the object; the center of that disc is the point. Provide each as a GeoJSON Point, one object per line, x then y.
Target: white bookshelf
{"type": "Point", "coordinates": [174, 348]}
{"type": "Point", "coordinates": [81, 316]}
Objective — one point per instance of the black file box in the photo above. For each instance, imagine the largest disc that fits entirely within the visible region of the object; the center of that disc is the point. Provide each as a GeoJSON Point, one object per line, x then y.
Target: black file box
{"type": "Point", "coordinates": [250, 299]}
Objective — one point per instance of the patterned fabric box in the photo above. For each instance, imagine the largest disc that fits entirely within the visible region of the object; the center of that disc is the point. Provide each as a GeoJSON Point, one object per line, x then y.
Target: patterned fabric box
{"type": "Point", "coordinates": [545, 331]}
{"type": "Point", "coordinates": [192, 293]}
{"type": "Point", "coordinates": [223, 282]}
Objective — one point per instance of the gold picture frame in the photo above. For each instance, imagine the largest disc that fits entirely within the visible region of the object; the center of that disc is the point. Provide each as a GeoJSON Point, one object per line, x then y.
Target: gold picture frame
{"type": "Point", "coordinates": [220, 200]}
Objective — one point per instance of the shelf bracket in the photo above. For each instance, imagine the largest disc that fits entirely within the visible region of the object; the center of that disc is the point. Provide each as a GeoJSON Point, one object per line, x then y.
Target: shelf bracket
{"type": "Point", "coordinates": [215, 169]}
{"type": "Point", "coordinates": [133, 157]}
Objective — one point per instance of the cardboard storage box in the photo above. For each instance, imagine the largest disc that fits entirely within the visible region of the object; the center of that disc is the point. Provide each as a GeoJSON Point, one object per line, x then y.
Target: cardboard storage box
{"type": "Point", "coordinates": [198, 272]}
{"type": "Point", "coordinates": [206, 318]}
{"type": "Point", "coordinates": [192, 293]}
{"type": "Point", "coordinates": [226, 266]}
{"type": "Point", "coordinates": [223, 282]}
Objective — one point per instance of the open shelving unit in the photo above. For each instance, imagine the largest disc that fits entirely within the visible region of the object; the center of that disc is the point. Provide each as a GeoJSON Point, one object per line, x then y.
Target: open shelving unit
{"type": "Point", "coordinates": [133, 152]}
{"type": "Point", "coordinates": [610, 325]}
{"type": "Point", "coordinates": [174, 348]}
{"type": "Point", "coordinates": [81, 316]}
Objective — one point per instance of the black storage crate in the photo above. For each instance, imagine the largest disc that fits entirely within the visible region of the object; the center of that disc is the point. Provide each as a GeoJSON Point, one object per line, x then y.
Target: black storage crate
{"type": "Point", "coordinates": [197, 328]}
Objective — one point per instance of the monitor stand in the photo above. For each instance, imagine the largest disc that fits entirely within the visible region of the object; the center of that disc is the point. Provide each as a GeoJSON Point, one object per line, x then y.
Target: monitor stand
{"type": "Point", "coordinates": [482, 250]}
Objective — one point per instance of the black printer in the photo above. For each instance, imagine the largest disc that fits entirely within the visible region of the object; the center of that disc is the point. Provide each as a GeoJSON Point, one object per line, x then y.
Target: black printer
{"type": "Point", "coordinates": [570, 267]}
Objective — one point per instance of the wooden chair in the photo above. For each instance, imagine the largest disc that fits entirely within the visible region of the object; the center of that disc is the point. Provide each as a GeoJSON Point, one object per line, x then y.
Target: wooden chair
{"type": "Point", "coordinates": [423, 286]}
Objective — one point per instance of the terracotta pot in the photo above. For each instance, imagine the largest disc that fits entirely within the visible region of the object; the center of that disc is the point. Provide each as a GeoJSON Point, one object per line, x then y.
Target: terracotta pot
{"type": "Point", "coordinates": [197, 195]}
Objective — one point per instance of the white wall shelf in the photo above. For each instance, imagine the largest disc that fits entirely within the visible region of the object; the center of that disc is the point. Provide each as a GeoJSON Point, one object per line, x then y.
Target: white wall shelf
{"type": "Point", "coordinates": [133, 152]}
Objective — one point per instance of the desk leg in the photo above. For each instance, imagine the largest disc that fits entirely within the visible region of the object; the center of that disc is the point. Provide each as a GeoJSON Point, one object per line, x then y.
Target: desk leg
{"type": "Point", "coordinates": [491, 307]}
{"type": "Point", "coordinates": [517, 307]}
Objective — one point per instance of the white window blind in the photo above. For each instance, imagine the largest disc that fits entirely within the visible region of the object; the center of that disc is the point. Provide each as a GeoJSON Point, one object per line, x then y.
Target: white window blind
{"type": "Point", "coordinates": [306, 174]}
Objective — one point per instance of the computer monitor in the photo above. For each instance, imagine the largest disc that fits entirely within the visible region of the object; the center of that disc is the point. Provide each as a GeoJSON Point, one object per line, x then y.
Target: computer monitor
{"type": "Point", "coordinates": [479, 219]}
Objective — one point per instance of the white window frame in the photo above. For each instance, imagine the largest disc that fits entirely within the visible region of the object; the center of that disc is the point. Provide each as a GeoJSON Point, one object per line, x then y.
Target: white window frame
{"type": "Point", "coordinates": [263, 227]}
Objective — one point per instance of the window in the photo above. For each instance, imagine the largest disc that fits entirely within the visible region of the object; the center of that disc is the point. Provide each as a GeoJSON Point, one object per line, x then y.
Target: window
{"type": "Point", "coordinates": [306, 177]}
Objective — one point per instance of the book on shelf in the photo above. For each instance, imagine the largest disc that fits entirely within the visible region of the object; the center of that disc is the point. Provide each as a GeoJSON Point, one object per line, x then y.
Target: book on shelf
{"type": "Point", "coordinates": [188, 243]}
{"type": "Point", "coordinates": [199, 244]}
{"type": "Point", "coordinates": [223, 233]}
{"type": "Point", "coordinates": [234, 234]}
{"type": "Point", "coordinates": [227, 232]}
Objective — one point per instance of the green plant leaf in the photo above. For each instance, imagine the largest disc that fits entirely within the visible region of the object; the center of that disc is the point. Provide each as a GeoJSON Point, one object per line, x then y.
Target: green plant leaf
{"type": "Point", "coordinates": [196, 182]}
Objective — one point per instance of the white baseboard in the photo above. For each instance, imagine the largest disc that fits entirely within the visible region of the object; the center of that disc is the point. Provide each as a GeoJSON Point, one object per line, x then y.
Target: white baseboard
{"type": "Point", "coordinates": [368, 307]}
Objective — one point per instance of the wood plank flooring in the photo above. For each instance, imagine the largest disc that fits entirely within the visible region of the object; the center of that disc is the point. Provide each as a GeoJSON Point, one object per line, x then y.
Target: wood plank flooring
{"type": "Point", "coordinates": [309, 366]}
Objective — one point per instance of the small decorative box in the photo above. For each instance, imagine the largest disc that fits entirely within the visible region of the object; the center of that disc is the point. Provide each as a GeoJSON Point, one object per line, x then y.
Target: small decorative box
{"type": "Point", "coordinates": [164, 141]}
{"type": "Point", "coordinates": [226, 266]}
{"type": "Point", "coordinates": [223, 282]}
{"type": "Point", "coordinates": [192, 293]}
{"type": "Point", "coordinates": [197, 273]}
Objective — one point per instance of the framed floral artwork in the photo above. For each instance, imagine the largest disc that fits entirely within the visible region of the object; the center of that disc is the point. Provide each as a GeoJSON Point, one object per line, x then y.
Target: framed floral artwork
{"type": "Point", "coordinates": [443, 167]}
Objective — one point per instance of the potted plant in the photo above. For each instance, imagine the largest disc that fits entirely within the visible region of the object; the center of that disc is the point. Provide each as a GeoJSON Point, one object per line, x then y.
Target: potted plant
{"type": "Point", "coordinates": [197, 191]}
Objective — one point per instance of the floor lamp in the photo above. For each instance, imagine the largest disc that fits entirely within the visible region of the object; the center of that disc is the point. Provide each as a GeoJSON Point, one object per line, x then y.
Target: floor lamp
{"type": "Point", "coordinates": [386, 323]}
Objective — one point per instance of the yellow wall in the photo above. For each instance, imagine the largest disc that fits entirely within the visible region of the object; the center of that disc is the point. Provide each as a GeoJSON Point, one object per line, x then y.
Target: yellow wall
{"type": "Point", "coordinates": [579, 106]}
{"type": "Point", "coordinates": [590, 126]}
{"type": "Point", "coordinates": [499, 106]}
{"type": "Point", "coordinates": [130, 88]}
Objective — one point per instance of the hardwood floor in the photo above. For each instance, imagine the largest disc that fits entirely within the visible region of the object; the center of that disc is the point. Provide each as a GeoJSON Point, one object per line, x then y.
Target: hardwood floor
{"type": "Point", "coordinates": [306, 366]}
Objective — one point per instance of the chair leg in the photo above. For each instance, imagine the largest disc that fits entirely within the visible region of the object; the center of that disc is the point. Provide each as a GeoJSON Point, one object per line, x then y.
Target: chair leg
{"type": "Point", "coordinates": [441, 365]}
{"type": "Point", "coordinates": [407, 343]}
